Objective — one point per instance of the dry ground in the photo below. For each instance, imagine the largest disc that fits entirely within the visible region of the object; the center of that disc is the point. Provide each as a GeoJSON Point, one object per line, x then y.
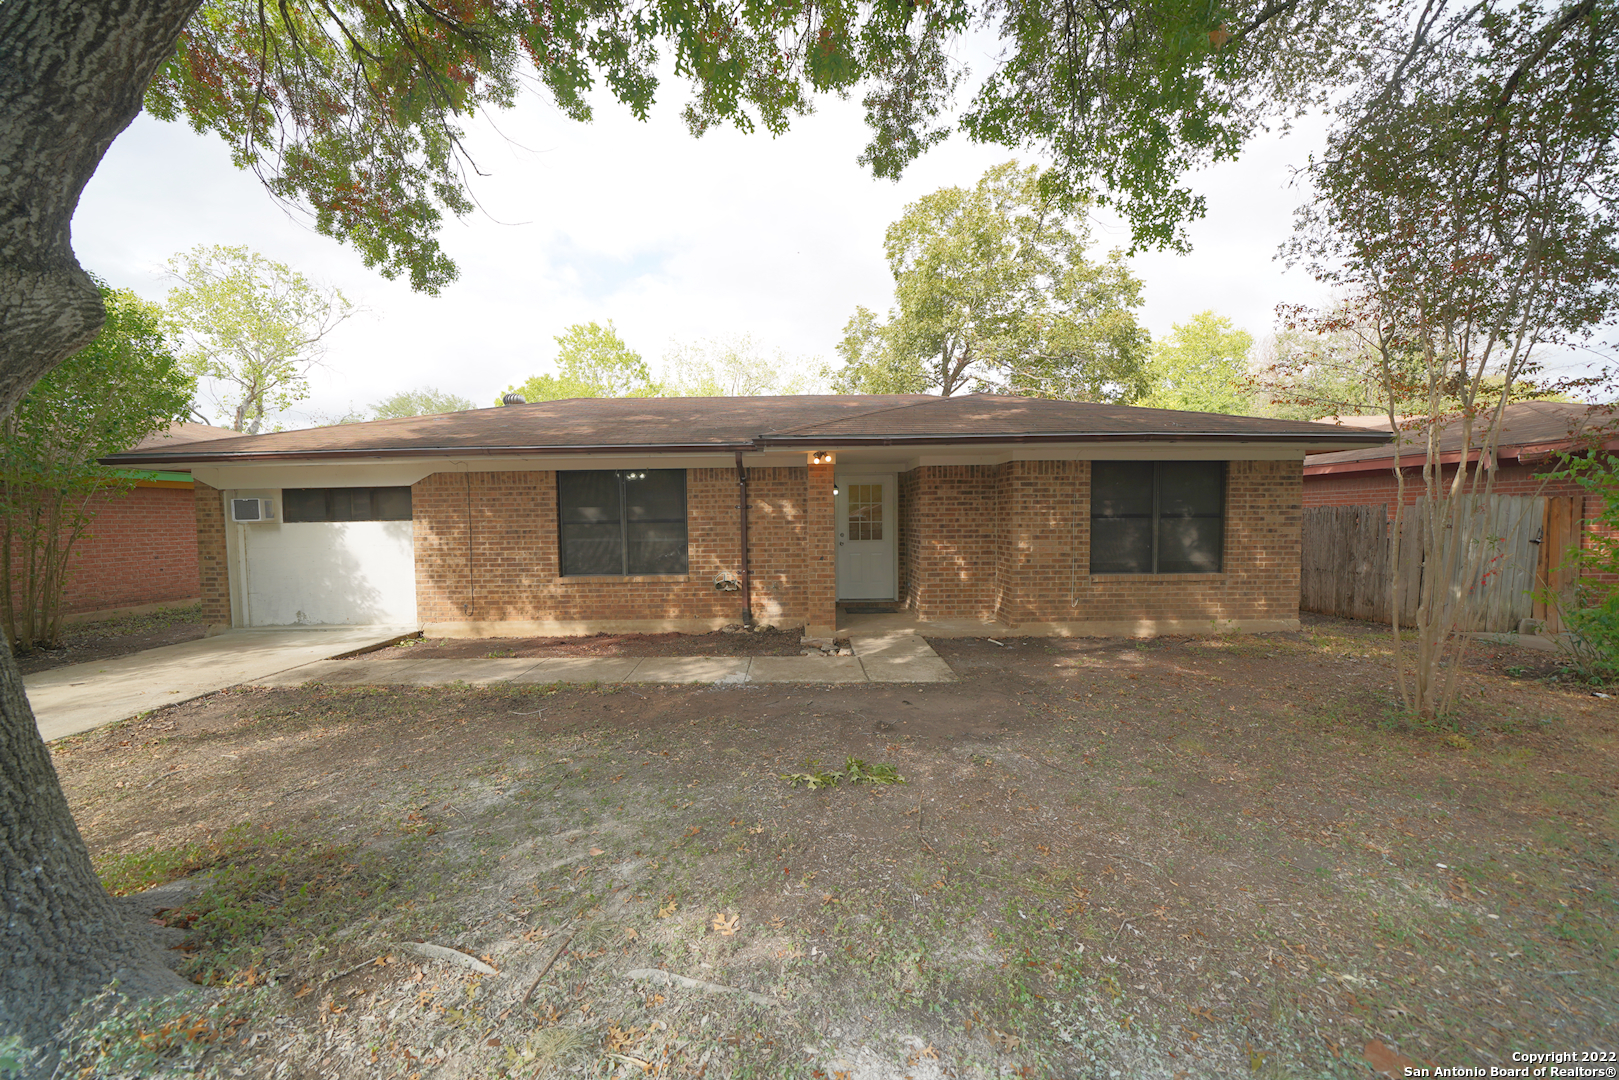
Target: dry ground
{"type": "Point", "coordinates": [105, 639]}
{"type": "Point", "coordinates": [1176, 858]}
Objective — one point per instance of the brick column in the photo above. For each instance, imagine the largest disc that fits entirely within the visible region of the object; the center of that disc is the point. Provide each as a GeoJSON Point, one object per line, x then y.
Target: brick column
{"type": "Point", "coordinates": [213, 566]}
{"type": "Point", "coordinates": [820, 554]}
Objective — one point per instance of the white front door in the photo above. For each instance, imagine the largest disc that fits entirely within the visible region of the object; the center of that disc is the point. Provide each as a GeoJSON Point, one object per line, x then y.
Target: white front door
{"type": "Point", "coordinates": [868, 535]}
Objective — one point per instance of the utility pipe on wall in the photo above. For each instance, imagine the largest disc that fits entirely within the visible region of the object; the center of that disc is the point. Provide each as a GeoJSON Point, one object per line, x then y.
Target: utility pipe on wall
{"type": "Point", "coordinates": [742, 507]}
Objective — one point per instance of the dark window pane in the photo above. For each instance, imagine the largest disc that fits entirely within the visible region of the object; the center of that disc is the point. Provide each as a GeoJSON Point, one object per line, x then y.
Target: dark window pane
{"type": "Point", "coordinates": [1191, 488]}
{"type": "Point", "coordinates": [1190, 545]}
{"type": "Point", "coordinates": [592, 549]}
{"type": "Point", "coordinates": [588, 497]}
{"type": "Point", "coordinates": [1121, 488]}
{"type": "Point", "coordinates": [632, 521]}
{"type": "Point", "coordinates": [350, 504]}
{"type": "Point", "coordinates": [657, 547]}
{"type": "Point", "coordinates": [392, 503]}
{"type": "Point", "coordinates": [1177, 507]}
{"type": "Point", "coordinates": [346, 504]}
{"type": "Point", "coordinates": [655, 495]}
{"type": "Point", "coordinates": [303, 504]}
{"type": "Point", "coordinates": [1121, 546]}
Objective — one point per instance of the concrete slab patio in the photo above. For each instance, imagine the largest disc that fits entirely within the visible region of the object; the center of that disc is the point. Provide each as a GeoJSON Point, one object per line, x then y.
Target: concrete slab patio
{"type": "Point", "coordinates": [78, 697]}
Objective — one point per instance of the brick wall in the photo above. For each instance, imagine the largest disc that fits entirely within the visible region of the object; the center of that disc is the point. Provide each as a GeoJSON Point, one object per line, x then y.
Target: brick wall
{"type": "Point", "coordinates": [777, 531]}
{"type": "Point", "coordinates": [1039, 511]}
{"type": "Point", "coordinates": [505, 567]}
{"type": "Point", "coordinates": [1012, 542]}
{"type": "Point", "coordinates": [1007, 542]}
{"type": "Point", "coordinates": [950, 521]}
{"type": "Point", "coordinates": [140, 549]}
{"type": "Point", "coordinates": [212, 561]}
{"type": "Point", "coordinates": [820, 549]}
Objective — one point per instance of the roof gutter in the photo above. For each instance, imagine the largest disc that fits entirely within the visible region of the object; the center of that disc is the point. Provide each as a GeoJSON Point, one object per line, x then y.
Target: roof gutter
{"type": "Point", "coordinates": [780, 441]}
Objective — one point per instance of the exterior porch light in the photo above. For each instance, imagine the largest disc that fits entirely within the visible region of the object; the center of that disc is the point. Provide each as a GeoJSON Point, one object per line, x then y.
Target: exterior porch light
{"type": "Point", "coordinates": [835, 491]}
{"type": "Point", "coordinates": [821, 457]}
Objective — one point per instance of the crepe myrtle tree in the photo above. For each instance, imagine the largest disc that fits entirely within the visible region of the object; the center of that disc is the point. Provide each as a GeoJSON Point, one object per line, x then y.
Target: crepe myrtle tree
{"type": "Point", "coordinates": [352, 109]}
{"type": "Point", "coordinates": [1466, 210]}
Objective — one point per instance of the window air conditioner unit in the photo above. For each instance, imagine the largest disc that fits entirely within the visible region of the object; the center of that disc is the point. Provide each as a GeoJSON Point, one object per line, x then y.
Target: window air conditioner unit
{"type": "Point", "coordinates": [252, 510]}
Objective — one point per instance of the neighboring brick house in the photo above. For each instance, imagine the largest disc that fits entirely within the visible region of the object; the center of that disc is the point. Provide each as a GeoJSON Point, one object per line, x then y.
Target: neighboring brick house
{"type": "Point", "coordinates": [140, 549]}
{"type": "Point", "coordinates": [1532, 434]}
{"type": "Point", "coordinates": [628, 514]}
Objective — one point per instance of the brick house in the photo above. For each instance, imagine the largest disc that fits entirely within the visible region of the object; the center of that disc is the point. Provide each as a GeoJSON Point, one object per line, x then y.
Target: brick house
{"type": "Point", "coordinates": [140, 550]}
{"type": "Point", "coordinates": [693, 513]}
{"type": "Point", "coordinates": [1532, 434]}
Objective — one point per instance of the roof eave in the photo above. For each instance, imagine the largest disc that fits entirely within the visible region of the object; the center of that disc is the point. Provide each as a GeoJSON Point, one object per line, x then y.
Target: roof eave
{"type": "Point", "coordinates": [1070, 437]}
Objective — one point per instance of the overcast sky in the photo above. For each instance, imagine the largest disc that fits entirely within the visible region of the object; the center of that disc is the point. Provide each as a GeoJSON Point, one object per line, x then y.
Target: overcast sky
{"type": "Point", "coordinates": [673, 238]}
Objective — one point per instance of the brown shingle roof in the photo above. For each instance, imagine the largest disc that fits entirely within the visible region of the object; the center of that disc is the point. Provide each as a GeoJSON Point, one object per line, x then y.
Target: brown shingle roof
{"type": "Point", "coordinates": [182, 431]}
{"type": "Point", "coordinates": [751, 423]}
{"type": "Point", "coordinates": [1528, 428]}
{"type": "Point", "coordinates": [991, 417]}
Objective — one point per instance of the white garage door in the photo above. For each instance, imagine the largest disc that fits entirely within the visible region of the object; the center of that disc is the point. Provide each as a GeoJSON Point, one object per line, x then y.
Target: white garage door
{"type": "Point", "coordinates": [324, 573]}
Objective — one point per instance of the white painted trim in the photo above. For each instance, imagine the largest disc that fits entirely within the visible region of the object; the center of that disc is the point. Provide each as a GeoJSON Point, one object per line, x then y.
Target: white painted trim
{"type": "Point", "coordinates": [348, 474]}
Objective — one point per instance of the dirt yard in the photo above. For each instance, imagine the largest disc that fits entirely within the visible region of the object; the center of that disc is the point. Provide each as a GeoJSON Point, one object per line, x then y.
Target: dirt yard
{"type": "Point", "coordinates": [1180, 858]}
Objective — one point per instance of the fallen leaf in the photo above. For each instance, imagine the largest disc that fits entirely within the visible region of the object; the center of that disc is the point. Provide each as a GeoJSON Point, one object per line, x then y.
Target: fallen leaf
{"type": "Point", "coordinates": [305, 992]}
{"type": "Point", "coordinates": [725, 924]}
{"type": "Point", "coordinates": [630, 933]}
{"type": "Point", "coordinates": [597, 851]}
{"type": "Point", "coordinates": [1386, 1061]}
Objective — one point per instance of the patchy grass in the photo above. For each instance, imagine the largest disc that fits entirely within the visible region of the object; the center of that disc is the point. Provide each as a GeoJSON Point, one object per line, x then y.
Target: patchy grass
{"type": "Point", "coordinates": [1192, 857]}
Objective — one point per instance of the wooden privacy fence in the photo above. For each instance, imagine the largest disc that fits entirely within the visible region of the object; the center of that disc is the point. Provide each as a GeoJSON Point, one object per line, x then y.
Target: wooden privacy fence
{"type": "Point", "coordinates": [1347, 561]}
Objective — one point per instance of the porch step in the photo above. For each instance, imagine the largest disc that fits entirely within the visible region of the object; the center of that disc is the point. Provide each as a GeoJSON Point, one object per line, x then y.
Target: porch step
{"type": "Point", "coordinates": [870, 607]}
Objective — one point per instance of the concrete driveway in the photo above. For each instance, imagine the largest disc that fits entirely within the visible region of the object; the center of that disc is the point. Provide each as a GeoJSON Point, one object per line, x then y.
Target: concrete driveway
{"type": "Point", "coordinates": [78, 697]}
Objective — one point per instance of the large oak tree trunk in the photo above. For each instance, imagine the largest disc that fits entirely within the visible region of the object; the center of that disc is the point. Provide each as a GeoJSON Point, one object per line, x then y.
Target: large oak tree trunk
{"type": "Point", "coordinates": [63, 937]}
{"type": "Point", "coordinates": [72, 75]}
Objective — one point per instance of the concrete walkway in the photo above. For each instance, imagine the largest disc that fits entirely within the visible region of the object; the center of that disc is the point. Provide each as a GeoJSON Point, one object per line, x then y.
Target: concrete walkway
{"type": "Point", "coordinates": [78, 697]}
{"type": "Point", "coordinates": [901, 657]}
